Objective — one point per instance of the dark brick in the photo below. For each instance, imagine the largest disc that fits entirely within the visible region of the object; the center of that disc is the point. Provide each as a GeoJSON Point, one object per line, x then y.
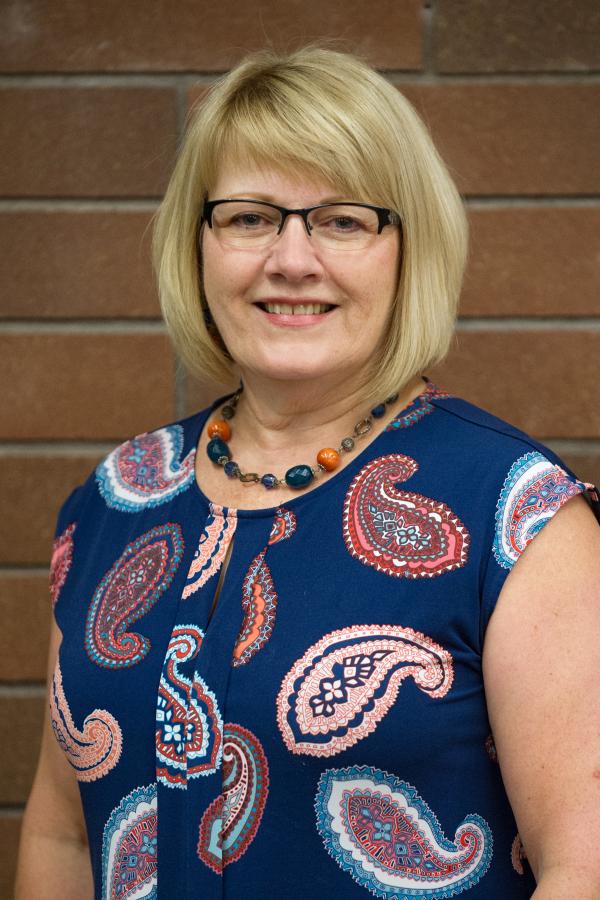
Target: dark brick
{"type": "Point", "coordinates": [516, 36]}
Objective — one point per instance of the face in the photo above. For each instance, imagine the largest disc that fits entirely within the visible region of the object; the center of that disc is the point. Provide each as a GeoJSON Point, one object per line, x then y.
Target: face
{"type": "Point", "coordinates": [358, 285]}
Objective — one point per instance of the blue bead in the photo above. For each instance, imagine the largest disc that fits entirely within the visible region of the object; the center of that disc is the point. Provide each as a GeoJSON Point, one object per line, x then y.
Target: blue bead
{"type": "Point", "coordinates": [378, 411]}
{"type": "Point", "coordinates": [217, 448]}
{"type": "Point", "coordinates": [299, 476]}
{"type": "Point", "coordinates": [269, 481]}
{"type": "Point", "coordinates": [231, 469]}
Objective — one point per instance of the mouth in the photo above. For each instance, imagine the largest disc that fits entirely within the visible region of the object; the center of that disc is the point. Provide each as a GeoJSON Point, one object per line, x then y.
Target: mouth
{"type": "Point", "coordinates": [296, 309]}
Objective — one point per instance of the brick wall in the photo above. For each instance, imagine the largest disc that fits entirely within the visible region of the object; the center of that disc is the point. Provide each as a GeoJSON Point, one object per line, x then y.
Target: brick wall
{"type": "Point", "coordinates": [94, 97]}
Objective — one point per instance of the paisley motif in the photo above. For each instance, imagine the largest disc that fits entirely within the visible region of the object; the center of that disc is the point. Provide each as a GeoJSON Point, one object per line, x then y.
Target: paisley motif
{"type": "Point", "coordinates": [284, 525]}
{"type": "Point", "coordinates": [517, 855]}
{"type": "Point", "coordinates": [212, 548]}
{"type": "Point", "coordinates": [146, 471]}
{"type": "Point", "coordinates": [342, 687]}
{"type": "Point", "coordinates": [259, 602]}
{"type": "Point", "coordinates": [231, 821]}
{"type": "Point", "coordinates": [129, 589]}
{"type": "Point", "coordinates": [259, 598]}
{"type": "Point", "coordinates": [189, 727]}
{"type": "Point", "coordinates": [92, 752]}
{"type": "Point", "coordinates": [401, 534]}
{"type": "Point", "coordinates": [422, 407]}
{"type": "Point", "coordinates": [534, 490]}
{"type": "Point", "coordinates": [379, 830]}
{"type": "Point", "coordinates": [62, 557]}
{"type": "Point", "coordinates": [129, 848]}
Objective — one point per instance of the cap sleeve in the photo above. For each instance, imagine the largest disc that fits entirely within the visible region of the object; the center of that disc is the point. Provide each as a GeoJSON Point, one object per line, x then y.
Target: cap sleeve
{"type": "Point", "coordinates": [63, 544]}
{"type": "Point", "coordinates": [536, 486]}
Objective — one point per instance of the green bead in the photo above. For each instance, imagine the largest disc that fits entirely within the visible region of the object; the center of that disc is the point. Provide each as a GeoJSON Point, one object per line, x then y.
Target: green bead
{"type": "Point", "coordinates": [299, 476]}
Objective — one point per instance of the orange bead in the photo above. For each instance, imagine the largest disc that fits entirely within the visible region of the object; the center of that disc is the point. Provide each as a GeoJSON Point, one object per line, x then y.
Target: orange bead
{"type": "Point", "coordinates": [328, 458]}
{"type": "Point", "coordinates": [219, 429]}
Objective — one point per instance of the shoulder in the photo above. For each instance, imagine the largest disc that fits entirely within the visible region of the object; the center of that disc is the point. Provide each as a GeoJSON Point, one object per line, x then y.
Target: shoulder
{"type": "Point", "coordinates": [144, 471]}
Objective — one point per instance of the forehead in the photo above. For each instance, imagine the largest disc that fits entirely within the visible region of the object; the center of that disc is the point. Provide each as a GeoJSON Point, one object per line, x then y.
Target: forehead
{"type": "Point", "coordinates": [265, 182]}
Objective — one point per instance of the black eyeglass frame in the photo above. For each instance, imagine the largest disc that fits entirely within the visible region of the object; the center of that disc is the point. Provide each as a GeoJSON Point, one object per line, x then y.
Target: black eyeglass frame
{"type": "Point", "coordinates": [384, 216]}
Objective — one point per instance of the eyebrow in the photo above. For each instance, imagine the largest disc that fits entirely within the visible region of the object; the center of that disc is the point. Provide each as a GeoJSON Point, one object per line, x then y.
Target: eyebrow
{"type": "Point", "coordinates": [269, 198]}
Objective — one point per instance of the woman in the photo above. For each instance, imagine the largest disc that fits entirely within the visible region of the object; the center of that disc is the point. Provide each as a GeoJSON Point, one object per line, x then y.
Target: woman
{"type": "Point", "coordinates": [291, 661]}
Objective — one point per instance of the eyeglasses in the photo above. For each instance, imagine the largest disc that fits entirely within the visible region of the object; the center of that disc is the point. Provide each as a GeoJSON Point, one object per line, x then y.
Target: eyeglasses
{"type": "Point", "coordinates": [254, 224]}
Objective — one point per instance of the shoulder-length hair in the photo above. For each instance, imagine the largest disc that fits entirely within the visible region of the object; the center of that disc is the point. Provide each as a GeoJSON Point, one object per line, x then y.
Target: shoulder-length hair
{"type": "Point", "coordinates": [324, 113]}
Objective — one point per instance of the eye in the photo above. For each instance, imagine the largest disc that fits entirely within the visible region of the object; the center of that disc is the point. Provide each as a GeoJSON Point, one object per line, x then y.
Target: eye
{"type": "Point", "coordinates": [248, 220]}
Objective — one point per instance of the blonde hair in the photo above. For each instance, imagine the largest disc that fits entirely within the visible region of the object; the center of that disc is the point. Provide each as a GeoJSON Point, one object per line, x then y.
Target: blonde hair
{"type": "Point", "coordinates": [328, 114]}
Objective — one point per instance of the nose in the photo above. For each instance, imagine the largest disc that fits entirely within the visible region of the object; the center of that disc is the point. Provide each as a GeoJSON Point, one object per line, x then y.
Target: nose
{"type": "Point", "coordinates": [293, 254]}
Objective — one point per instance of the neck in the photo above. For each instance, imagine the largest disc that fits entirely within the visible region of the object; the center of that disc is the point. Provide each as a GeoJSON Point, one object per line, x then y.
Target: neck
{"type": "Point", "coordinates": [280, 424]}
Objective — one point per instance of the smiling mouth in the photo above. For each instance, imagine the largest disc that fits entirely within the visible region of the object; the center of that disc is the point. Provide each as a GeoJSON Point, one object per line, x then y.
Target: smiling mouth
{"type": "Point", "coordinates": [296, 309]}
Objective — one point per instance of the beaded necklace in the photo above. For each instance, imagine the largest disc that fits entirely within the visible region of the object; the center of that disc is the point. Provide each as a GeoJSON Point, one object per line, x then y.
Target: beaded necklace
{"type": "Point", "coordinates": [300, 476]}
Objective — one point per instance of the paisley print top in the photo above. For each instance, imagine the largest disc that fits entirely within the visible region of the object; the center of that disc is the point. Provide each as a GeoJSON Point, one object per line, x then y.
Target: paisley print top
{"type": "Point", "coordinates": [322, 732]}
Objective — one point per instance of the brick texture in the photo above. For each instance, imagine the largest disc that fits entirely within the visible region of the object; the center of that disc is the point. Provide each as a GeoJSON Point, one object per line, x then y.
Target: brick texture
{"type": "Point", "coordinates": [60, 265]}
{"type": "Point", "coordinates": [10, 827]}
{"type": "Point", "coordinates": [25, 611]}
{"type": "Point", "coordinates": [92, 142]}
{"type": "Point", "coordinates": [20, 745]}
{"type": "Point", "coordinates": [516, 36]}
{"type": "Point", "coordinates": [78, 36]}
{"type": "Point", "coordinates": [527, 261]}
{"type": "Point", "coordinates": [530, 139]}
{"type": "Point", "coordinates": [87, 386]}
{"type": "Point", "coordinates": [32, 488]}
{"type": "Point", "coordinates": [544, 382]}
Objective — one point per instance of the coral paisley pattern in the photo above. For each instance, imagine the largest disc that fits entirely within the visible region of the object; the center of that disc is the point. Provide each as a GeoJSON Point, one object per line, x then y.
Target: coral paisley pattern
{"type": "Point", "coordinates": [423, 407]}
{"type": "Point", "coordinates": [379, 830]}
{"type": "Point", "coordinates": [399, 533]}
{"type": "Point", "coordinates": [284, 525]}
{"type": "Point", "coordinates": [189, 727]}
{"type": "Point", "coordinates": [62, 557]}
{"type": "Point", "coordinates": [534, 490]}
{"type": "Point", "coordinates": [212, 548]}
{"type": "Point", "coordinates": [231, 821]}
{"type": "Point", "coordinates": [129, 589]}
{"type": "Point", "coordinates": [342, 687]}
{"type": "Point", "coordinates": [259, 598]}
{"type": "Point", "coordinates": [146, 471]}
{"type": "Point", "coordinates": [129, 848]}
{"type": "Point", "coordinates": [92, 752]}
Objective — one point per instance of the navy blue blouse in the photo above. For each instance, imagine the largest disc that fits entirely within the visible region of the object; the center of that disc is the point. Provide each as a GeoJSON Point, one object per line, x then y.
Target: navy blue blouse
{"type": "Point", "coordinates": [323, 731]}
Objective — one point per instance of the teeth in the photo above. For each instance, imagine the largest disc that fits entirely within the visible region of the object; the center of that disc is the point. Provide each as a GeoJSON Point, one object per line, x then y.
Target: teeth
{"type": "Point", "coordinates": [301, 309]}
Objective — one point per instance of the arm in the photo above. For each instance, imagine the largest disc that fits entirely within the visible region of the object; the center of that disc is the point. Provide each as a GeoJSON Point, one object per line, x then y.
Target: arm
{"type": "Point", "coordinates": [540, 665]}
{"type": "Point", "coordinates": [53, 862]}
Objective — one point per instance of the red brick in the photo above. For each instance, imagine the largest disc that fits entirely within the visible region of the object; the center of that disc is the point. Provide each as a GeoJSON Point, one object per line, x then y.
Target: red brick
{"type": "Point", "coordinates": [530, 139]}
{"type": "Point", "coordinates": [83, 36]}
{"type": "Point", "coordinates": [84, 385]}
{"type": "Point", "coordinates": [513, 36]}
{"type": "Point", "coordinates": [20, 745]}
{"type": "Point", "coordinates": [92, 141]}
{"type": "Point", "coordinates": [10, 828]}
{"type": "Point", "coordinates": [25, 612]}
{"type": "Point", "coordinates": [76, 265]}
{"type": "Point", "coordinates": [544, 382]}
{"type": "Point", "coordinates": [528, 261]}
{"type": "Point", "coordinates": [32, 490]}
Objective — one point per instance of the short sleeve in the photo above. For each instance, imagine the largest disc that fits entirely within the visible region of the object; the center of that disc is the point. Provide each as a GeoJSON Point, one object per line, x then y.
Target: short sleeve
{"type": "Point", "coordinates": [535, 488]}
{"type": "Point", "coordinates": [63, 544]}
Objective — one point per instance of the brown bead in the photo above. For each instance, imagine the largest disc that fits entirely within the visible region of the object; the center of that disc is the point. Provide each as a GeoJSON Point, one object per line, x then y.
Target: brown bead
{"type": "Point", "coordinates": [219, 429]}
{"type": "Point", "coordinates": [328, 458]}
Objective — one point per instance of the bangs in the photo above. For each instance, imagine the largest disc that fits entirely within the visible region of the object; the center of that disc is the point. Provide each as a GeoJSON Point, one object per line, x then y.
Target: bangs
{"type": "Point", "coordinates": [280, 126]}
